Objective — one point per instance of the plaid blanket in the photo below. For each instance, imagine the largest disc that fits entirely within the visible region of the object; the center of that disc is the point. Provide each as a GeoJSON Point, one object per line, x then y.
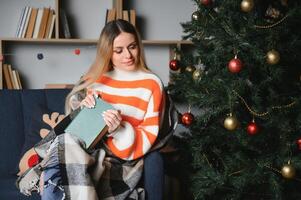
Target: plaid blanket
{"type": "Point", "coordinates": [97, 174]}
{"type": "Point", "coordinates": [85, 175]}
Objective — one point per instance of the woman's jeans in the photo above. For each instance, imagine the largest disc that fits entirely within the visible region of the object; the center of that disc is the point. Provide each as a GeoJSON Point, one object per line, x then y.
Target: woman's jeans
{"type": "Point", "coordinates": [154, 176]}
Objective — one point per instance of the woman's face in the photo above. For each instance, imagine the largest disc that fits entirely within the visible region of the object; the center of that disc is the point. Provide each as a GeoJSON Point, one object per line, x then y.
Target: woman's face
{"type": "Point", "coordinates": [125, 52]}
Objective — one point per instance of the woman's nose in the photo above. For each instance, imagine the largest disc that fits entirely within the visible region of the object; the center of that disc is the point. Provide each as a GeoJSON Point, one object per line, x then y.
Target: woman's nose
{"type": "Point", "coordinates": [128, 53]}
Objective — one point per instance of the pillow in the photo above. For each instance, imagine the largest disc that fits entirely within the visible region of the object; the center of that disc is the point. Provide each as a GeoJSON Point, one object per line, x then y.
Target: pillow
{"type": "Point", "coordinates": [43, 120]}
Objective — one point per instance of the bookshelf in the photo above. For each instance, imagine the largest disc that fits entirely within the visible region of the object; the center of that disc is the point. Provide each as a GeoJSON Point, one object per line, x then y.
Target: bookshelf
{"type": "Point", "coordinates": [20, 52]}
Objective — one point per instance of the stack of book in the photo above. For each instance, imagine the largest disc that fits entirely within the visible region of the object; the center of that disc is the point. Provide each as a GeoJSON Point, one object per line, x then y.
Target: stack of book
{"type": "Point", "coordinates": [128, 15]}
{"type": "Point", "coordinates": [36, 23]}
{"type": "Point", "coordinates": [11, 77]}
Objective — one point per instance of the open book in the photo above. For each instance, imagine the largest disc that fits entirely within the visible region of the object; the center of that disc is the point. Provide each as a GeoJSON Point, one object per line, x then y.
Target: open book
{"type": "Point", "coordinates": [89, 124]}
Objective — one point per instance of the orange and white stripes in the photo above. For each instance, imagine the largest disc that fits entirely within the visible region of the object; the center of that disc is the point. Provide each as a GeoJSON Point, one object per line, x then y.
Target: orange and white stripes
{"type": "Point", "coordinates": [138, 96]}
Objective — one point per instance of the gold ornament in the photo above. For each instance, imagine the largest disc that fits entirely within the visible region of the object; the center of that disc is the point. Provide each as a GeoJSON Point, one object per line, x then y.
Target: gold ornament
{"type": "Point", "coordinates": [247, 5]}
{"type": "Point", "coordinates": [273, 57]}
{"type": "Point", "coordinates": [190, 69]}
{"type": "Point", "coordinates": [195, 16]}
{"type": "Point", "coordinates": [197, 74]}
{"type": "Point", "coordinates": [231, 123]}
{"type": "Point", "coordinates": [288, 171]}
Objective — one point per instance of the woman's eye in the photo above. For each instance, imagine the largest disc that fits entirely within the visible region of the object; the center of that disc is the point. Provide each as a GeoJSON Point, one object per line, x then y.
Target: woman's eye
{"type": "Point", "coordinates": [133, 46]}
{"type": "Point", "coordinates": [118, 51]}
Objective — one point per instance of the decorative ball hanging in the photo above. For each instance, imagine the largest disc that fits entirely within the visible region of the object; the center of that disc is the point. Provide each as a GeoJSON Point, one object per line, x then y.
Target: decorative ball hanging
{"type": "Point", "coordinates": [272, 57]}
{"type": "Point", "coordinates": [206, 2]}
{"type": "Point", "coordinates": [288, 171]}
{"type": "Point", "coordinates": [235, 65]}
{"type": "Point", "coordinates": [77, 51]}
{"type": "Point", "coordinates": [190, 68]}
{"type": "Point", "coordinates": [40, 56]}
{"type": "Point", "coordinates": [252, 128]}
{"type": "Point", "coordinates": [195, 16]}
{"type": "Point", "coordinates": [187, 119]}
{"type": "Point", "coordinates": [231, 122]}
{"type": "Point", "coordinates": [247, 5]}
{"type": "Point", "coordinates": [1, 57]}
{"type": "Point", "coordinates": [197, 74]}
{"type": "Point", "coordinates": [174, 65]}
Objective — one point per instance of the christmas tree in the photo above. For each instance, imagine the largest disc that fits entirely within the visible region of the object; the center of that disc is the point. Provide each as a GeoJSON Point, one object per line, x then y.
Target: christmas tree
{"type": "Point", "coordinates": [244, 79]}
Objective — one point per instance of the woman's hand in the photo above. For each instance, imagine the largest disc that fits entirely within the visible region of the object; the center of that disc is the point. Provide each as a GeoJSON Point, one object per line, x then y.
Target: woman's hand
{"type": "Point", "coordinates": [112, 119]}
{"type": "Point", "coordinates": [89, 100]}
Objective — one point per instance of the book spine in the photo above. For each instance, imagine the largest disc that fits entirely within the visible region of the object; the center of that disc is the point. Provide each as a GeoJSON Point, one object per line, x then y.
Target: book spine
{"type": "Point", "coordinates": [26, 22]}
{"type": "Point", "coordinates": [31, 23]}
{"type": "Point", "coordinates": [20, 22]}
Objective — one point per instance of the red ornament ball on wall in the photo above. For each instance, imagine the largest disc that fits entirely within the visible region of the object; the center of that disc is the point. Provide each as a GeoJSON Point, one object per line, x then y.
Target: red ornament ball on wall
{"type": "Point", "coordinates": [252, 128]}
{"type": "Point", "coordinates": [77, 51]}
{"type": "Point", "coordinates": [187, 119]}
{"type": "Point", "coordinates": [235, 65]}
{"type": "Point", "coordinates": [174, 65]}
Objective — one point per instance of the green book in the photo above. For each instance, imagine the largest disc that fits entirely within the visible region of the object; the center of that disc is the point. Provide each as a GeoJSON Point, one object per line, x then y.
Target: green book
{"type": "Point", "coordinates": [89, 124]}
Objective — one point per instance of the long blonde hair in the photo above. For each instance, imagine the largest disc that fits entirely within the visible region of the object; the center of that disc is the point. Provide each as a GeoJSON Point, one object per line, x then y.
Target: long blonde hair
{"type": "Point", "coordinates": [102, 62]}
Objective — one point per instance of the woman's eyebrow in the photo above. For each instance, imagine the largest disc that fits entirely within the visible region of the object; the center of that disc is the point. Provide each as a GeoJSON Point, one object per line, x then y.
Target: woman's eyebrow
{"type": "Point", "coordinates": [134, 42]}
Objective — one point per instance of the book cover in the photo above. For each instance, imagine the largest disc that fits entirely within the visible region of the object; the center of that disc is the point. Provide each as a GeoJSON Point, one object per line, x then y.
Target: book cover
{"type": "Point", "coordinates": [31, 23]}
{"type": "Point", "coordinates": [8, 81]}
{"type": "Point", "coordinates": [26, 22]}
{"type": "Point", "coordinates": [44, 21]}
{"type": "Point", "coordinates": [89, 124]}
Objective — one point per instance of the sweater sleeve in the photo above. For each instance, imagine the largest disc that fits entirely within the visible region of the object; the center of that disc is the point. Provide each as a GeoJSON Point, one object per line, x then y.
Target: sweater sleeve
{"type": "Point", "coordinates": [134, 138]}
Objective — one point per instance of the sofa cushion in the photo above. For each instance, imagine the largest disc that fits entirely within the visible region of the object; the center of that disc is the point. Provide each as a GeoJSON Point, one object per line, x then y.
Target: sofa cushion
{"type": "Point", "coordinates": [43, 120]}
{"type": "Point", "coordinates": [11, 130]}
{"type": "Point", "coordinates": [42, 110]}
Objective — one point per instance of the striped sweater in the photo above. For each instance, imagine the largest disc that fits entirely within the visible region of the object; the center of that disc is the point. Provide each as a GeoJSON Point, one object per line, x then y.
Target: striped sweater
{"type": "Point", "coordinates": [138, 96]}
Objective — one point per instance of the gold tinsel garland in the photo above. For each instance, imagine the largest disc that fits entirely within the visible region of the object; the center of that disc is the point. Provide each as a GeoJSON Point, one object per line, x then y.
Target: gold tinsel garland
{"type": "Point", "coordinates": [263, 113]}
{"type": "Point", "coordinates": [271, 25]}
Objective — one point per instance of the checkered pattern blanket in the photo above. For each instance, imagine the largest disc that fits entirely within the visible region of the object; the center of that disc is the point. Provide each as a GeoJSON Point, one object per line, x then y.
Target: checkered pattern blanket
{"type": "Point", "coordinates": [85, 175]}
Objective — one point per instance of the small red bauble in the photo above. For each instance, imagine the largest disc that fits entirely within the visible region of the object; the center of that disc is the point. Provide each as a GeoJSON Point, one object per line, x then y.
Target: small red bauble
{"type": "Point", "coordinates": [235, 65]}
{"type": "Point", "coordinates": [252, 128]}
{"type": "Point", "coordinates": [1, 58]}
{"type": "Point", "coordinates": [77, 51]}
{"type": "Point", "coordinates": [187, 119]}
{"type": "Point", "coordinates": [206, 2]}
{"type": "Point", "coordinates": [299, 143]}
{"type": "Point", "coordinates": [174, 65]}
{"type": "Point", "coordinates": [33, 160]}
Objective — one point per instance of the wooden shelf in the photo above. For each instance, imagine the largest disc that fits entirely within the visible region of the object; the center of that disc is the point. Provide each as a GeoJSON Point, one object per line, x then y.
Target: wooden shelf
{"type": "Point", "coordinates": [93, 41]}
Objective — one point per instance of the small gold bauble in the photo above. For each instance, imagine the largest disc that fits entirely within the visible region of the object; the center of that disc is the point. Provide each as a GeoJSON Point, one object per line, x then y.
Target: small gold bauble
{"type": "Point", "coordinates": [197, 74]}
{"type": "Point", "coordinates": [195, 16]}
{"type": "Point", "coordinates": [231, 123]}
{"type": "Point", "coordinates": [273, 57]}
{"type": "Point", "coordinates": [288, 171]}
{"type": "Point", "coordinates": [247, 5]}
{"type": "Point", "coordinates": [190, 69]}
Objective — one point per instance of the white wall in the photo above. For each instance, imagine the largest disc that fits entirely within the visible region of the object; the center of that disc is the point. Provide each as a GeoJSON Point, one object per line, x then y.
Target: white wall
{"type": "Point", "coordinates": [157, 20]}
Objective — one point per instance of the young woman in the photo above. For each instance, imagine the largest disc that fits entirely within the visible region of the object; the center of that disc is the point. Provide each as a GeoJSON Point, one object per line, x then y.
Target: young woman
{"type": "Point", "coordinates": [120, 76]}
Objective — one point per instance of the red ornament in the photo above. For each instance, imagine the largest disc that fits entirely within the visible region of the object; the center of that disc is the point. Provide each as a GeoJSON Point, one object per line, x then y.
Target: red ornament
{"type": "Point", "coordinates": [174, 65]}
{"type": "Point", "coordinates": [252, 128]}
{"type": "Point", "coordinates": [299, 144]}
{"type": "Point", "coordinates": [187, 119]}
{"type": "Point", "coordinates": [206, 2]}
{"type": "Point", "coordinates": [235, 65]}
{"type": "Point", "coordinates": [33, 160]}
{"type": "Point", "coordinates": [77, 51]}
{"type": "Point", "coordinates": [1, 58]}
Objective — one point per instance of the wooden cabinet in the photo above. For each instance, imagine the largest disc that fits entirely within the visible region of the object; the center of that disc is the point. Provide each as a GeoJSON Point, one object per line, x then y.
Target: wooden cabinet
{"type": "Point", "coordinates": [157, 21]}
